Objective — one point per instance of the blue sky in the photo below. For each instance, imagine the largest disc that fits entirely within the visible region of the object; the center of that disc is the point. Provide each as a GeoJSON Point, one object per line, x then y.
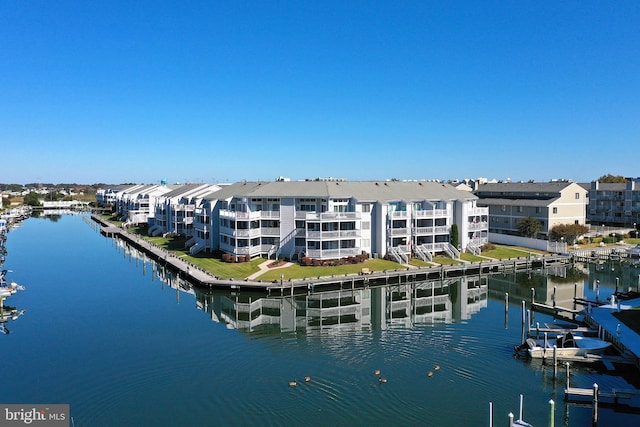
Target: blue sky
{"type": "Point", "coordinates": [215, 91]}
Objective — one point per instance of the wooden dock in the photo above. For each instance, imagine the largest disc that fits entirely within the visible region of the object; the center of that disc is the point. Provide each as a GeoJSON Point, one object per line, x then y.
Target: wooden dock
{"type": "Point", "coordinates": [200, 277]}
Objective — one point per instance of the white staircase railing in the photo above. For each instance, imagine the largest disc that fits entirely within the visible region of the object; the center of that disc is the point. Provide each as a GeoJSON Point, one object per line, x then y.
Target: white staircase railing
{"type": "Point", "coordinates": [454, 251]}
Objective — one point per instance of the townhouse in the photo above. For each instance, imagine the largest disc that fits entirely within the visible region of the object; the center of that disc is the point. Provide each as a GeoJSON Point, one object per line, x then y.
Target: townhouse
{"type": "Point", "coordinates": [331, 219]}
{"type": "Point", "coordinates": [551, 203]}
{"type": "Point", "coordinates": [174, 211]}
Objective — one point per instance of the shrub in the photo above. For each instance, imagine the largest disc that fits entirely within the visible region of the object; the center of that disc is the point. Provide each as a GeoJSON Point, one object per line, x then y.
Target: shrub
{"type": "Point", "coordinates": [488, 247]}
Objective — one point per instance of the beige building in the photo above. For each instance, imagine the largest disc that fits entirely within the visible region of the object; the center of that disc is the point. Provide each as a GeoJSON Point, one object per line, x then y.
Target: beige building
{"type": "Point", "coordinates": [551, 203]}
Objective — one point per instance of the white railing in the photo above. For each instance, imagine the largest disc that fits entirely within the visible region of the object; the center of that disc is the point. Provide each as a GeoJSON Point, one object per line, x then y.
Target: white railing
{"type": "Point", "coordinates": [478, 211]}
{"type": "Point", "coordinates": [431, 213]}
{"type": "Point", "coordinates": [270, 231]}
{"type": "Point", "coordinates": [399, 214]}
{"type": "Point", "coordinates": [269, 214]}
{"type": "Point", "coordinates": [328, 216]}
{"type": "Point", "coordinates": [473, 226]}
{"type": "Point", "coordinates": [325, 235]}
{"type": "Point", "coordinates": [399, 231]}
{"type": "Point", "coordinates": [331, 253]}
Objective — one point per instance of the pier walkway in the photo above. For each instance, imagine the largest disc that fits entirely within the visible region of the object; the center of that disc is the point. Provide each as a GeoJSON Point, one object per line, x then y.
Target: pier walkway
{"type": "Point", "coordinates": [620, 335]}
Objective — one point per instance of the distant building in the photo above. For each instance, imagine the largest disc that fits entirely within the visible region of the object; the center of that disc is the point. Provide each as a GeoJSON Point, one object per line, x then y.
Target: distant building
{"type": "Point", "coordinates": [551, 203]}
{"type": "Point", "coordinates": [615, 204]}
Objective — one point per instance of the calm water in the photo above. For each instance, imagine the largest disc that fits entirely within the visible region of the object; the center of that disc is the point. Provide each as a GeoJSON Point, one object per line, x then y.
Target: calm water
{"type": "Point", "coordinates": [108, 334]}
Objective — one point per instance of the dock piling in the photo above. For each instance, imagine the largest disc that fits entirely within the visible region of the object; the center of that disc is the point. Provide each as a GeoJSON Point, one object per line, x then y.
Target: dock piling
{"type": "Point", "coordinates": [595, 403]}
{"type": "Point", "coordinates": [552, 410]}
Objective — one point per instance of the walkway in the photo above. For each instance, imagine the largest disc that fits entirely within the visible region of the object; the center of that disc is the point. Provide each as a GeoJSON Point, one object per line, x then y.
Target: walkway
{"type": "Point", "coordinates": [265, 267]}
{"type": "Point", "coordinates": [617, 332]}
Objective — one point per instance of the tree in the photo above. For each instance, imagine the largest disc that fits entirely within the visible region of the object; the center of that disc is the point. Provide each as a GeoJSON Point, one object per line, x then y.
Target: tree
{"type": "Point", "coordinates": [455, 240]}
{"type": "Point", "coordinates": [612, 179]}
{"type": "Point", "coordinates": [568, 232]}
{"type": "Point", "coordinates": [529, 227]}
{"type": "Point", "coordinates": [31, 199]}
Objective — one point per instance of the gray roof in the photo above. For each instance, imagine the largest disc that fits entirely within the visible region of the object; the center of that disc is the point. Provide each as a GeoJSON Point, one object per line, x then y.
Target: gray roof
{"type": "Point", "coordinates": [517, 202]}
{"type": "Point", "coordinates": [181, 190]}
{"type": "Point", "coordinates": [524, 187]}
{"type": "Point", "coordinates": [383, 191]}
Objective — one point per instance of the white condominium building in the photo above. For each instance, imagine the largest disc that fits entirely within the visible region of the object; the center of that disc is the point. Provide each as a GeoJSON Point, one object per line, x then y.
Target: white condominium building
{"type": "Point", "coordinates": [332, 219]}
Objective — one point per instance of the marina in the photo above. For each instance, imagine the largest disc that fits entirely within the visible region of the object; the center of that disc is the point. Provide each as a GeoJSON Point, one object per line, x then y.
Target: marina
{"type": "Point", "coordinates": [126, 334]}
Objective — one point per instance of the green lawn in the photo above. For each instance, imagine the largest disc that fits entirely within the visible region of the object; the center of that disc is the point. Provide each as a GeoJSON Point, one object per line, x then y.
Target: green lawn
{"type": "Point", "coordinates": [419, 263]}
{"type": "Point", "coordinates": [297, 271]}
{"type": "Point", "coordinates": [504, 252]}
{"type": "Point", "coordinates": [465, 256]}
{"type": "Point", "coordinates": [446, 261]}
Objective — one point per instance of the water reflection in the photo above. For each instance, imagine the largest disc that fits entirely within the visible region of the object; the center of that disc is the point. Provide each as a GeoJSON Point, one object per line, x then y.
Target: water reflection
{"type": "Point", "coordinates": [7, 313]}
{"type": "Point", "coordinates": [402, 306]}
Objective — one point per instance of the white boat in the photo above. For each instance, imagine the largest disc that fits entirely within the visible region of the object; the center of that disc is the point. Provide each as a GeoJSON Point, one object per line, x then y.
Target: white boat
{"type": "Point", "coordinates": [568, 345]}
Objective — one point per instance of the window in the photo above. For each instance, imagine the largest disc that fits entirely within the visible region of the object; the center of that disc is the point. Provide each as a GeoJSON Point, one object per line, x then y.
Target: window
{"type": "Point", "coordinates": [555, 210]}
{"type": "Point", "coordinates": [577, 196]}
{"type": "Point", "coordinates": [366, 207]}
{"type": "Point", "coordinates": [503, 208]}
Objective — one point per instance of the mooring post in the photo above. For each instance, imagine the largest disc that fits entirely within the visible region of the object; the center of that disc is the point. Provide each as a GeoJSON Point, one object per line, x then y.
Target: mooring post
{"type": "Point", "coordinates": [520, 414]}
{"type": "Point", "coordinates": [617, 283]}
{"type": "Point", "coordinates": [595, 403]}
{"type": "Point", "coordinates": [524, 311]}
{"type": "Point", "coordinates": [506, 302]}
{"type": "Point", "coordinates": [597, 290]}
{"type": "Point", "coordinates": [544, 348]}
{"type": "Point", "coordinates": [552, 410]}
{"type": "Point", "coordinates": [555, 361]}
{"type": "Point", "coordinates": [510, 419]}
{"type": "Point", "coordinates": [490, 414]}
{"type": "Point", "coordinates": [533, 297]}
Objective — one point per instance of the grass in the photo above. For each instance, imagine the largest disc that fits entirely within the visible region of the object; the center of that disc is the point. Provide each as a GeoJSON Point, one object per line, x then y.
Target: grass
{"type": "Point", "coordinates": [445, 261]}
{"type": "Point", "coordinates": [471, 258]}
{"type": "Point", "coordinates": [297, 271]}
{"type": "Point", "coordinates": [504, 252]}
{"type": "Point", "coordinates": [217, 267]}
{"type": "Point", "coordinates": [419, 263]}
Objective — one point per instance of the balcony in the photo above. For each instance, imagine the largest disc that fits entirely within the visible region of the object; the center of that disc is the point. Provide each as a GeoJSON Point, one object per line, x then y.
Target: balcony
{"type": "Point", "coordinates": [399, 231]}
{"type": "Point", "coordinates": [399, 214]}
{"type": "Point", "coordinates": [234, 215]}
{"type": "Point", "coordinates": [474, 226]}
{"type": "Point", "coordinates": [477, 211]}
{"type": "Point", "coordinates": [336, 234]}
{"type": "Point", "coordinates": [431, 213]}
{"type": "Point", "coordinates": [332, 253]}
{"type": "Point", "coordinates": [328, 216]}
{"type": "Point", "coordinates": [270, 231]}
{"type": "Point", "coordinates": [421, 231]}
